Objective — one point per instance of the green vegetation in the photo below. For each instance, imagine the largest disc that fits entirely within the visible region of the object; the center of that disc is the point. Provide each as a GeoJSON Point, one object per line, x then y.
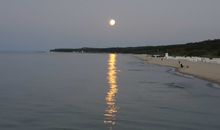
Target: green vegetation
{"type": "Point", "coordinates": [209, 48]}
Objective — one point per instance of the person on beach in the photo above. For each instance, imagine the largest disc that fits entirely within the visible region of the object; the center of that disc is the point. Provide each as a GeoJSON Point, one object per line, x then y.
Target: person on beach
{"type": "Point", "coordinates": [181, 65]}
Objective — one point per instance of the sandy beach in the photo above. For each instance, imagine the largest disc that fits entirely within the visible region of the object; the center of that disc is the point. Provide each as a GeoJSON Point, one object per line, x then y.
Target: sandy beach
{"type": "Point", "coordinates": [208, 71]}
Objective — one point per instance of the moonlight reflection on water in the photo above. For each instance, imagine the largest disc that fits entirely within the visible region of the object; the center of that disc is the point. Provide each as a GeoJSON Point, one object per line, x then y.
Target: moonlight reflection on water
{"type": "Point", "coordinates": [111, 110]}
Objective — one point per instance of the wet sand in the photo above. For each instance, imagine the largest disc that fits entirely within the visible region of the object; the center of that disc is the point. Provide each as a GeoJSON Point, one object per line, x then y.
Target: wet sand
{"type": "Point", "coordinates": [208, 71]}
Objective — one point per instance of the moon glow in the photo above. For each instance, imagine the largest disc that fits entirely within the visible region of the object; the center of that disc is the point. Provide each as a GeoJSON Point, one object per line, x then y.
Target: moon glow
{"type": "Point", "coordinates": [112, 22]}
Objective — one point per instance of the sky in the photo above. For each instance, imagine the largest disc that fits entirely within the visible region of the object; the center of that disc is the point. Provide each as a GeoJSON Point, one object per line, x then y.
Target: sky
{"type": "Point", "coordinates": [49, 24]}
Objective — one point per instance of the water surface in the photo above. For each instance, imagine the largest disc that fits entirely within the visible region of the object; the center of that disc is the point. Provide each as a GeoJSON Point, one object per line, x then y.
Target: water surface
{"type": "Point", "coordinates": [58, 91]}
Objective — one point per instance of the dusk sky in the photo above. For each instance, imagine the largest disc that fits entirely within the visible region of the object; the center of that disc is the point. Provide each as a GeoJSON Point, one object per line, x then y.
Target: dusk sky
{"type": "Point", "coordinates": [48, 24]}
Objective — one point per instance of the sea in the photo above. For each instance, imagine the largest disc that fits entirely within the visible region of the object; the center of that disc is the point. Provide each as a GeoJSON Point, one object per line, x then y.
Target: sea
{"type": "Point", "coordinates": [74, 91]}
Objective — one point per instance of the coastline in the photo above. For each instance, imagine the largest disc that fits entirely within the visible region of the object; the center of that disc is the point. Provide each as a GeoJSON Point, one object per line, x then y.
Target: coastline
{"type": "Point", "coordinates": [206, 71]}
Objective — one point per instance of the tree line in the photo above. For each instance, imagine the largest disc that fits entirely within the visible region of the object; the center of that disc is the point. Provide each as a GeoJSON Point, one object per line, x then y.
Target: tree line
{"type": "Point", "coordinates": [208, 48]}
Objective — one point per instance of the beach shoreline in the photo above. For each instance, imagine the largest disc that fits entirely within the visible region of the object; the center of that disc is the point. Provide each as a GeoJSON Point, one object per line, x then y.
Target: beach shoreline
{"type": "Point", "coordinates": [205, 71]}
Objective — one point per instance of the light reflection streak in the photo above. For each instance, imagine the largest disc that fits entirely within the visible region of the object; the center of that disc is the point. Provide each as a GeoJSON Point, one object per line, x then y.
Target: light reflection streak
{"type": "Point", "coordinates": [111, 110]}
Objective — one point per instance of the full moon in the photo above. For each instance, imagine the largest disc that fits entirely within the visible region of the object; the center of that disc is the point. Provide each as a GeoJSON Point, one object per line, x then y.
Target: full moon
{"type": "Point", "coordinates": [112, 22]}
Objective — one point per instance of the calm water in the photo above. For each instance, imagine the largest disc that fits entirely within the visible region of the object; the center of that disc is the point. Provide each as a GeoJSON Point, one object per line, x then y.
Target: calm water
{"type": "Point", "coordinates": [55, 91]}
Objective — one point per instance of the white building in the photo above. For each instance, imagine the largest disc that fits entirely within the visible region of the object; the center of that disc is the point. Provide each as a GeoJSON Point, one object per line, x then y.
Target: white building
{"type": "Point", "coordinates": [166, 55]}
